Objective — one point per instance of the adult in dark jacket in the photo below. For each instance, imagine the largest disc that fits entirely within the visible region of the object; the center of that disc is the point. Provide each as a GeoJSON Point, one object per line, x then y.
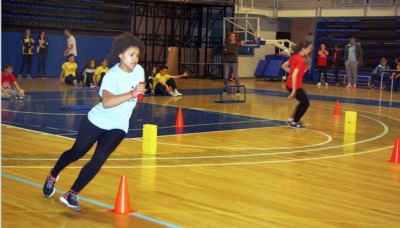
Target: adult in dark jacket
{"type": "Point", "coordinates": [353, 57]}
{"type": "Point", "coordinates": [231, 50]}
{"type": "Point", "coordinates": [337, 62]}
{"type": "Point", "coordinates": [28, 44]}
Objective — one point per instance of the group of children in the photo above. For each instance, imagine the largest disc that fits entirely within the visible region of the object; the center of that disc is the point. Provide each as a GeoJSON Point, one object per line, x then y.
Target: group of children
{"type": "Point", "coordinates": [92, 75]}
{"type": "Point", "coordinates": [159, 82]}
{"type": "Point", "coordinates": [377, 74]}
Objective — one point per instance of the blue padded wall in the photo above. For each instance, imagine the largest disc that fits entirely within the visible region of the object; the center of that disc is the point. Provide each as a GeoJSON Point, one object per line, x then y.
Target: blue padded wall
{"type": "Point", "coordinates": [88, 47]}
{"type": "Point", "coordinates": [262, 64]}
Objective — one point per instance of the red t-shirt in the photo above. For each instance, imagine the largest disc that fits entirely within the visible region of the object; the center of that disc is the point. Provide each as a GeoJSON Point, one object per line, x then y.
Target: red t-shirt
{"type": "Point", "coordinates": [6, 81]}
{"type": "Point", "coordinates": [296, 61]}
{"type": "Point", "coordinates": [323, 58]}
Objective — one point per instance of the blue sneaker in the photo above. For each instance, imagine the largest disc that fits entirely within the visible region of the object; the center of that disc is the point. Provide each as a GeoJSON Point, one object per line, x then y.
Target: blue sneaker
{"type": "Point", "coordinates": [48, 188]}
{"type": "Point", "coordinates": [71, 200]}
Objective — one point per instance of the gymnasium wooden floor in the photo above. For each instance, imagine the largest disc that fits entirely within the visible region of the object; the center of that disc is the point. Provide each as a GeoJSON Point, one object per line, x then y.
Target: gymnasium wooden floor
{"type": "Point", "coordinates": [234, 165]}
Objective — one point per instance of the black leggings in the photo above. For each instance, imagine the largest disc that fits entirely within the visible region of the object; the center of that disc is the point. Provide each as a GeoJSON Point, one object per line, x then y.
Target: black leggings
{"type": "Point", "coordinates": [160, 88]}
{"type": "Point", "coordinates": [322, 70]}
{"type": "Point", "coordinates": [302, 107]}
{"type": "Point", "coordinates": [88, 134]}
{"type": "Point", "coordinates": [69, 79]}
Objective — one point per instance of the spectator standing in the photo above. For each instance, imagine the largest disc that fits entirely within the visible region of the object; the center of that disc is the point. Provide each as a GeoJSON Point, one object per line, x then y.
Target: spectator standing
{"type": "Point", "coordinates": [337, 63]}
{"type": "Point", "coordinates": [353, 56]}
{"type": "Point", "coordinates": [42, 50]}
{"type": "Point", "coordinates": [71, 43]}
{"type": "Point", "coordinates": [322, 65]}
{"type": "Point", "coordinates": [28, 44]}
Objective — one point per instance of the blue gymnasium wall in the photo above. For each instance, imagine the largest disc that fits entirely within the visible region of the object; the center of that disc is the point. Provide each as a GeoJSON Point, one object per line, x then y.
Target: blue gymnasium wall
{"type": "Point", "coordinates": [88, 47]}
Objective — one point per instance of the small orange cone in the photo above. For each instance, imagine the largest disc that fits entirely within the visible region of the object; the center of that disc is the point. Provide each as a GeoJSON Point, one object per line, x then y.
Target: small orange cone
{"type": "Point", "coordinates": [122, 204]}
{"type": "Point", "coordinates": [396, 151]}
{"type": "Point", "coordinates": [337, 108]}
{"type": "Point", "coordinates": [179, 119]}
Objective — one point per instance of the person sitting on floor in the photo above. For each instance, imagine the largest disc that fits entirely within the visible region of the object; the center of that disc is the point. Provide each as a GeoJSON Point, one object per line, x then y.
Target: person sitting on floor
{"type": "Point", "coordinates": [68, 71]}
{"type": "Point", "coordinates": [163, 83]}
{"type": "Point", "coordinates": [377, 73]}
{"type": "Point", "coordinates": [9, 85]}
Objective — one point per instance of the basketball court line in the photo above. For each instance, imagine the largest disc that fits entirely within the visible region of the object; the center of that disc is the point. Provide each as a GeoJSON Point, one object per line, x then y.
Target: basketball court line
{"type": "Point", "coordinates": [385, 131]}
{"type": "Point", "coordinates": [92, 201]}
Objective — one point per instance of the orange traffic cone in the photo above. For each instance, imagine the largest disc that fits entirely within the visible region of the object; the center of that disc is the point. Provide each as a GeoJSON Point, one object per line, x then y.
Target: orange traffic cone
{"type": "Point", "coordinates": [122, 204]}
{"type": "Point", "coordinates": [179, 119]}
{"type": "Point", "coordinates": [396, 151]}
{"type": "Point", "coordinates": [337, 108]}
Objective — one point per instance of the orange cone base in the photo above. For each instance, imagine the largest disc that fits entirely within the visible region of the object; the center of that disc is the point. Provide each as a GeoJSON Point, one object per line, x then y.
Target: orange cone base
{"type": "Point", "coordinates": [336, 112]}
{"type": "Point", "coordinates": [122, 204]}
{"type": "Point", "coordinates": [122, 213]}
{"type": "Point", "coordinates": [396, 152]}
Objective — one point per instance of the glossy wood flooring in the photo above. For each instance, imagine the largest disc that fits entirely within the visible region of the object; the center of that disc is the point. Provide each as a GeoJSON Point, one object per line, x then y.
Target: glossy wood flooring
{"type": "Point", "coordinates": [262, 176]}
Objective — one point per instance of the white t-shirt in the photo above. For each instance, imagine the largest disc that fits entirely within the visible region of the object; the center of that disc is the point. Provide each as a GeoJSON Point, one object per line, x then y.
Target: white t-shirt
{"type": "Point", "coordinates": [71, 40]}
{"type": "Point", "coordinates": [117, 81]}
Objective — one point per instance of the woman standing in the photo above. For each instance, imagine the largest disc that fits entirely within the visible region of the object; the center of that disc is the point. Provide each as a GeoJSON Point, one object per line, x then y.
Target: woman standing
{"type": "Point", "coordinates": [296, 66]}
{"type": "Point", "coordinates": [231, 50]}
{"type": "Point", "coordinates": [42, 51]}
{"type": "Point", "coordinates": [28, 44]}
{"type": "Point", "coordinates": [107, 123]}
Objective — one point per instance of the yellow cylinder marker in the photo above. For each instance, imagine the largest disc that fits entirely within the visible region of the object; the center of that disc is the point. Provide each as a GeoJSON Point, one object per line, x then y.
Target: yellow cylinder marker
{"type": "Point", "coordinates": [149, 139]}
{"type": "Point", "coordinates": [350, 122]}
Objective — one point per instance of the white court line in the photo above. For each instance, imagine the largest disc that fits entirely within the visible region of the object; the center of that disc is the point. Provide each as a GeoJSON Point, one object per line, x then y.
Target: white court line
{"type": "Point", "coordinates": [358, 142]}
{"type": "Point", "coordinates": [208, 164]}
{"type": "Point", "coordinates": [385, 131]}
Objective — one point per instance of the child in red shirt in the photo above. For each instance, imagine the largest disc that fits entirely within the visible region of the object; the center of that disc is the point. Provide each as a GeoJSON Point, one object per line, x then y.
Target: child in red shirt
{"type": "Point", "coordinates": [9, 85]}
{"type": "Point", "coordinates": [296, 66]}
{"type": "Point", "coordinates": [322, 64]}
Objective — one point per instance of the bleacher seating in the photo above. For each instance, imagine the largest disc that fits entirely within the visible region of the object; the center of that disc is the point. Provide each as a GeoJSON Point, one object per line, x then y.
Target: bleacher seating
{"type": "Point", "coordinates": [84, 16]}
{"type": "Point", "coordinates": [271, 67]}
{"type": "Point", "coordinates": [379, 37]}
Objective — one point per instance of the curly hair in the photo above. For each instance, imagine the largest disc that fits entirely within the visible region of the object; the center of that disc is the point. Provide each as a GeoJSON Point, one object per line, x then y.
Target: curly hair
{"type": "Point", "coordinates": [121, 43]}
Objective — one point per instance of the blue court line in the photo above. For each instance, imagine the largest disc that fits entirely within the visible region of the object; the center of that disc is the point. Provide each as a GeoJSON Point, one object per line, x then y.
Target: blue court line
{"type": "Point", "coordinates": [93, 202]}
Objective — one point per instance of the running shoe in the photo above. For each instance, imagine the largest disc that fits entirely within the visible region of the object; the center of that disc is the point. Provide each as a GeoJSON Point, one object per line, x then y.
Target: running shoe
{"type": "Point", "coordinates": [71, 200]}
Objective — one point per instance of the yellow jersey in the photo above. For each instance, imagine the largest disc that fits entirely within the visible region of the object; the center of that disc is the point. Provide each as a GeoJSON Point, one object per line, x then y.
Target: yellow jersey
{"type": "Point", "coordinates": [159, 77]}
{"type": "Point", "coordinates": [99, 71]}
{"type": "Point", "coordinates": [69, 68]}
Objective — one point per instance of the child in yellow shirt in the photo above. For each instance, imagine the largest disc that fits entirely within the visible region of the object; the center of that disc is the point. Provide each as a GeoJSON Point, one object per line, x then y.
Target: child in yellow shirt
{"type": "Point", "coordinates": [100, 72]}
{"type": "Point", "coordinates": [68, 71]}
